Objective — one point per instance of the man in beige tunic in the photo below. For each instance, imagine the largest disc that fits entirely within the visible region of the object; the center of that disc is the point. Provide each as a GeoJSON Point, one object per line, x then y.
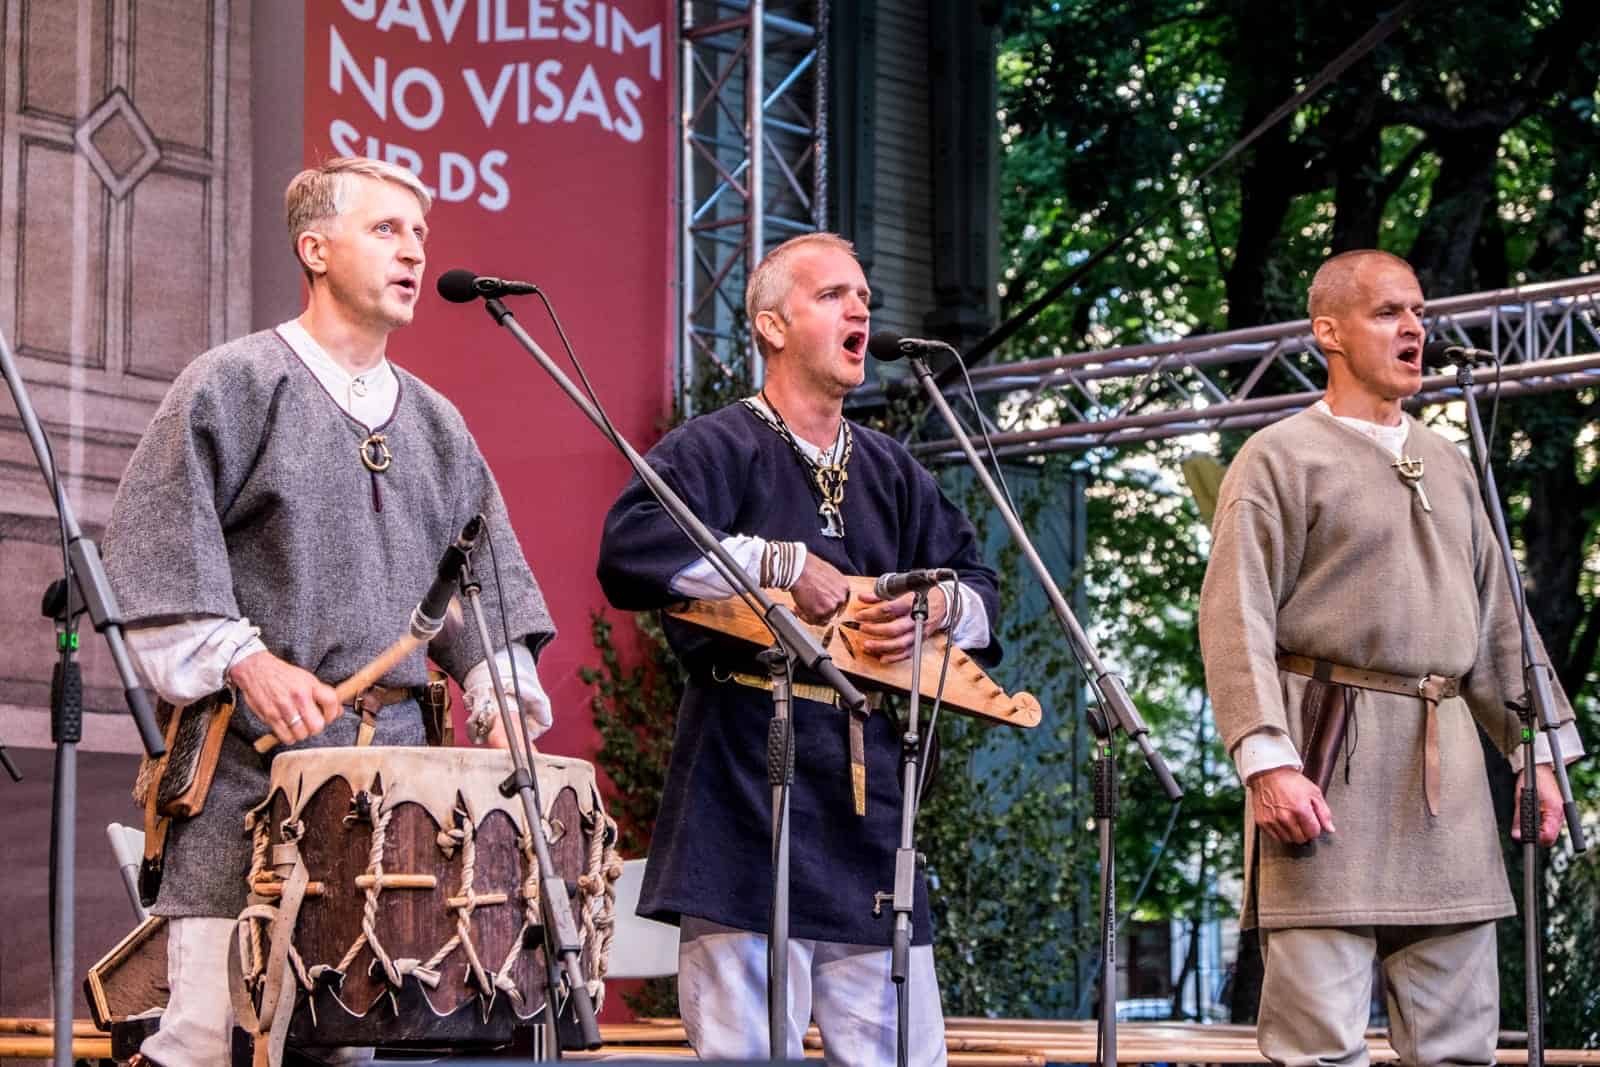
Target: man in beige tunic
{"type": "Point", "coordinates": [1324, 553]}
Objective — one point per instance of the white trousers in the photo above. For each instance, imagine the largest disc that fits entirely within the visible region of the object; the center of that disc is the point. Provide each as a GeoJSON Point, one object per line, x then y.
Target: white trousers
{"type": "Point", "coordinates": [722, 994]}
{"type": "Point", "coordinates": [197, 1025]}
{"type": "Point", "coordinates": [1443, 993]}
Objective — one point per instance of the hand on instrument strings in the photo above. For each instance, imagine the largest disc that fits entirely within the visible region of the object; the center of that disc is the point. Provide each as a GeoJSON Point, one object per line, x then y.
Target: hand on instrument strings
{"type": "Point", "coordinates": [291, 702]}
{"type": "Point", "coordinates": [1551, 815]}
{"type": "Point", "coordinates": [888, 628]}
{"type": "Point", "coordinates": [820, 592]}
{"type": "Point", "coordinates": [1289, 806]}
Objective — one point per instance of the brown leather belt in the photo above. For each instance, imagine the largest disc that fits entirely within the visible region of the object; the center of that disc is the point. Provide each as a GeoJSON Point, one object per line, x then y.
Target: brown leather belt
{"type": "Point", "coordinates": [823, 694]}
{"type": "Point", "coordinates": [1429, 688]}
{"type": "Point", "coordinates": [374, 698]}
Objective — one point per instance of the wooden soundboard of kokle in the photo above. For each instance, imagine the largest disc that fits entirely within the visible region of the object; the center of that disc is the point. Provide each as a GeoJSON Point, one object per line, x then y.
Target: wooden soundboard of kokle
{"type": "Point", "coordinates": [968, 689]}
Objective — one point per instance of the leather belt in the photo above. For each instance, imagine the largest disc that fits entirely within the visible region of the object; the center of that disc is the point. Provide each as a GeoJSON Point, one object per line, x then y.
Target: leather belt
{"type": "Point", "coordinates": [374, 698]}
{"type": "Point", "coordinates": [823, 694]}
{"type": "Point", "coordinates": [1428, 688]}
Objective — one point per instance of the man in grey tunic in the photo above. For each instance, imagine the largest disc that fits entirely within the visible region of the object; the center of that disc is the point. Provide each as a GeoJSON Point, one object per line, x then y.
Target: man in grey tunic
{"type": "Point", "coordinates": [1350, 541]}
{"type": "Point", "coordinates": [282, 516]}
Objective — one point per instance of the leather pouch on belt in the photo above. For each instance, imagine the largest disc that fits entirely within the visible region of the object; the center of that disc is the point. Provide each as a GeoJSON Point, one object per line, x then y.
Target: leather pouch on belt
{"type": "Point", "coordinates": [1324, 719]}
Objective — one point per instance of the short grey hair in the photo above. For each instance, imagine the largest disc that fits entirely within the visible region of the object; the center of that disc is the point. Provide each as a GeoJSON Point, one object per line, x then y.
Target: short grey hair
{"type": "Point", "coordinates": [769, 284]}
{"type": "Point", "coordinates": [1334, 285]}
{"type": "Point", "coordinates": [318, 194]}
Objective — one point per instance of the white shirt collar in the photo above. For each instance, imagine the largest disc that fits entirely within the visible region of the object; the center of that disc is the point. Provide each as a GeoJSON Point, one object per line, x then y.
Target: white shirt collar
{"type": "Point", "coordinates": [1391, 439]}
{"type": "Point", "coordinates": [369, 397]}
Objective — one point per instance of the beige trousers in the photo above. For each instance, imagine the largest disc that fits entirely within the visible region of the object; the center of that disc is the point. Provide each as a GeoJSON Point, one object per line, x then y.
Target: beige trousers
{"type": "Point", "coordinates": [1444, 993]}
{"type": "Point", "coordinates": [197, 1025]}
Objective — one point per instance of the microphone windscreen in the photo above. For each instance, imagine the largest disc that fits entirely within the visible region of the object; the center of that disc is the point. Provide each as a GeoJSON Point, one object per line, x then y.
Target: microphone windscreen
{"type": "Point", "coordinates": [885, 346]}
{"type": "Point", "coordinates": [1441, 353]}
{"type": "Point", "coordinates": [456, 286]}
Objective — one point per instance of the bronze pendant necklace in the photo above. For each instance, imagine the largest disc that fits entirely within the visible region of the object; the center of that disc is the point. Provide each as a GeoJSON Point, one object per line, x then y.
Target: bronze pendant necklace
{"type": "Point", "coordinates": [828, 478]}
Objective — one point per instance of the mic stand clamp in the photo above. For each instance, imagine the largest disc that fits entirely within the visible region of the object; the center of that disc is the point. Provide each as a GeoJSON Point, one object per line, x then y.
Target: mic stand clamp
{"type": "Point", "coordinates": [1538, 712]}
{"type": "Point", "coordinates": [1117, 710]}
{"type": "Point", "coordinates": [562, 946]}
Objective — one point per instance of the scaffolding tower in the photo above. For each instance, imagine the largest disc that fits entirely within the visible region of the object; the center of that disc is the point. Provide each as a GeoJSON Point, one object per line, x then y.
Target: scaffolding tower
{"type": "Point", "coordinates": [751, 163]}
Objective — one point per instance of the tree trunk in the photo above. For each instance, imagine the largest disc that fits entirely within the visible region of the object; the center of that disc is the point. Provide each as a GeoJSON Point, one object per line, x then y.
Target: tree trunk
{"type": "Point", "coordinates": [1442, 252]}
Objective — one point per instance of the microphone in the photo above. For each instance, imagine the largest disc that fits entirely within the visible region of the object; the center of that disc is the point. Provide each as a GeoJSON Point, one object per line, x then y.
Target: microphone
{"type": "Point", "coordinates": [428, 618]}
{"type": "Point", "coordinates": [889, 586]}
{"type": "Point", "coordinates": [461, 286]}
{"type": "Point", "coordinates": [889, 347]}
{"type": "Point", "coordinates": [1441, 353]}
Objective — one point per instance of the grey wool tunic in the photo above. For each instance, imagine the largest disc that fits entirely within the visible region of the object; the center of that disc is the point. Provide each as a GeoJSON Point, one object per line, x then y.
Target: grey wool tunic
{"type": "Point", "coordinates": [248, 497]}
{"type": "Point", "coordinates": [1321, 549]}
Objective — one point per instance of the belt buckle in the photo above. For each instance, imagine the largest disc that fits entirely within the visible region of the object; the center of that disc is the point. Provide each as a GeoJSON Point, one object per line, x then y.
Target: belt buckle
{"type": "Point", "coordinates": [366, 702]}
{"type": "Point", "coordinates": [1422, 686]}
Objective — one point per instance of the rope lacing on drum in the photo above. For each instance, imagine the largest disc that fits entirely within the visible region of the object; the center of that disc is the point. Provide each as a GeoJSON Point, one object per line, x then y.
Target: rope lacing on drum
{"type": "Point", "coordinates": [596, 907]}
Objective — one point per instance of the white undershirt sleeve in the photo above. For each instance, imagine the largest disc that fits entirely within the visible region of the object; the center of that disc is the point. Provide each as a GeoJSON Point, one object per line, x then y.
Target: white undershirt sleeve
{"type": "Point", "coordinates": [184, 661]}
{"type": "Point", "coordinates": [700, 580]}
{"type": "Point", "coordinates": [1264, 750]}
{"type": "Point", "coordinates": [477, 689]}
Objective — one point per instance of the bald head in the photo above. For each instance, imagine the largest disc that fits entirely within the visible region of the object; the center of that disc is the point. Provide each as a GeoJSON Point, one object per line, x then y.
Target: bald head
{"type": "Point", "coordinates": [1337, 285]}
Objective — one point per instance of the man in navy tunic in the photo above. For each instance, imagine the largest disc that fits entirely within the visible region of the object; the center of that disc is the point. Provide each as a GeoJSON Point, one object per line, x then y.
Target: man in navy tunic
{"type": "Point", "coordinates": [801, 497]}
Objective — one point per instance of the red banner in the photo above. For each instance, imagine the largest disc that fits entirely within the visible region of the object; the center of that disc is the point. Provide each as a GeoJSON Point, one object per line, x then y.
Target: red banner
{"type": "Point", "coordinates": [545, 130]}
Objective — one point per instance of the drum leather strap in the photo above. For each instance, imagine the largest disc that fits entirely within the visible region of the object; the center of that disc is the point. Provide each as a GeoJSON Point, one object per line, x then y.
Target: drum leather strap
{"type": "Point", "coordinates": [375, 698]}
{"type": "Point", "coordinates": [1430, 689]}
{"type": "Point", "coordinates": [271, 1025]}
{"type": "Point", "coordinates": [823, 694]}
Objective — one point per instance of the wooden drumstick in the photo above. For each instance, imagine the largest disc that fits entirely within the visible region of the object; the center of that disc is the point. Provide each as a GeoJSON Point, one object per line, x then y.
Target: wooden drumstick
{"type": "Point", "coordinates": [380, 664]}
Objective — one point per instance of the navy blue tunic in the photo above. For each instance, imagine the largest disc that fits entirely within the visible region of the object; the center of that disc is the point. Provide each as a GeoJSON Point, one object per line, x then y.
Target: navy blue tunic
{"type": "Point", "coordinates": [710, 852]}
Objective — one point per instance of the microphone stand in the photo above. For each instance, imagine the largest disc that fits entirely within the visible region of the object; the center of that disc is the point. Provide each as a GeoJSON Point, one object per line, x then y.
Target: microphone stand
{"type": "Point", "coordinates": [791, 636]}
{"type": "Point", "coordinates": [780, 774]}
{"type": "Point", "coordinates": [905, 857]}
{"type": "Point", "coordinates": [1115, 705]}
{"type": "Point", "coordinates": [1538, 712]}
{"type": "Point", "coordinates": [89, 589]}
{"type": "Point", "coordinates": [560, 933]}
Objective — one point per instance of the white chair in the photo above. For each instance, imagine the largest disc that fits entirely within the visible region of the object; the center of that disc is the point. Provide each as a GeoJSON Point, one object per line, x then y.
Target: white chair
{"type": "Point", "coordinates": [127, 844]}
{"type": "Point", "coordinates": [640, 948]}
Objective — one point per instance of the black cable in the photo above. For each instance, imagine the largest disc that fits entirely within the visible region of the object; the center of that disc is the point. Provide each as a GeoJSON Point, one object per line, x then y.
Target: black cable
{"type": "Point", "coordinates": [615, 436]}
{"type": "Point", "coordinates": [66, 632]}
{"type": "Point", "coordinates": [952, 616]}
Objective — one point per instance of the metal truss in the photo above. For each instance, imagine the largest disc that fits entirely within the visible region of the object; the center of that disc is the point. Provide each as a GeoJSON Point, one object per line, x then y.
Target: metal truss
{"type": "Point", "coordinates": [1548, 337]}
{"type": "Point", "coordinates": [752, 166]}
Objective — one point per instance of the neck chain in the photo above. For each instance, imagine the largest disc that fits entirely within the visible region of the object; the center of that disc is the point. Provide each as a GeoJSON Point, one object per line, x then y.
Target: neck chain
{"type": "Point", "coordinates": [827, 478]}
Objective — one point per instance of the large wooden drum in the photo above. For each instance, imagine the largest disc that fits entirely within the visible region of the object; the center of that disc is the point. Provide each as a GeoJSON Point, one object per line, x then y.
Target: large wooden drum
{"type": "Point", "coordinates": [402, 891]}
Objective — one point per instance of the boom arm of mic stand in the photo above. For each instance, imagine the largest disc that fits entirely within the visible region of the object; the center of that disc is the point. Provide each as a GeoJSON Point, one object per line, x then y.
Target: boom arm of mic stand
{"type": "Point", "coordinates": [1118, 703]}
{"type": "Point", "coordinates": [87, 571]}
{"type": "Point", "coordinates": [795, 638]}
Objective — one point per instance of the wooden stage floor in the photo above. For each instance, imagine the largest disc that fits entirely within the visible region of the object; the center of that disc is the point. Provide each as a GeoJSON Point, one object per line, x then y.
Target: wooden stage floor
{"type": "Point", "coordinates": [973, 1043]}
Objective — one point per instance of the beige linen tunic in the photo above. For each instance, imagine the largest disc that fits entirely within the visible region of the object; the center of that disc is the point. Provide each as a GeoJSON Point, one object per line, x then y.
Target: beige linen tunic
{"type": "Point", "coordinates": [1322, 550]}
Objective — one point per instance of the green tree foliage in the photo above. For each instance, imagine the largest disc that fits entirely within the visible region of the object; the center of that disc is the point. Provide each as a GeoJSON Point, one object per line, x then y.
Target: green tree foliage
{"type": "Point", "coordinates": [1466, 142]}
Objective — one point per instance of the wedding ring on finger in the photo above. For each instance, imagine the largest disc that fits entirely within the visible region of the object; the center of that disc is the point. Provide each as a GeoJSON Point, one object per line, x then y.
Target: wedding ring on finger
{"type": "Point", "coordinates": [295, 721]}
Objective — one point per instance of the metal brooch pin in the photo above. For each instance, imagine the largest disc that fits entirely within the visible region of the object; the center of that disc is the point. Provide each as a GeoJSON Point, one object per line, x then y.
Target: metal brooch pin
{"type": "Point", "coordinates": [1411, 473]}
